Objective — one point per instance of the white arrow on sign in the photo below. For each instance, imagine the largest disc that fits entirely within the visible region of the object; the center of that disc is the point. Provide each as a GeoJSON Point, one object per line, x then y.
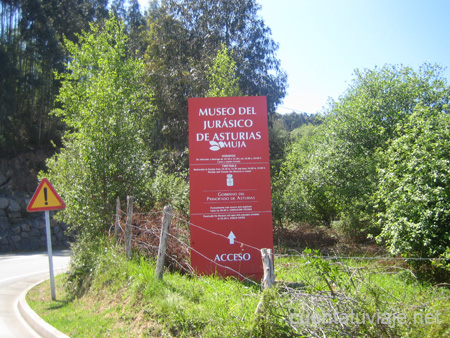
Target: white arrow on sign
{"type": "Point", "coordinates": [231, 237]}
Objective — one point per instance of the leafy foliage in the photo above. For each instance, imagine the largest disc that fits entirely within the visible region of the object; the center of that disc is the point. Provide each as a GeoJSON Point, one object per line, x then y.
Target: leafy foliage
{"type": "Point", "coordinates": [184, 39]}
{"type": "Point", "coordinates": [338, 177]}
{"type": "Point", "coordinates": [222, 76]}
{"type": "Point", "coordinates": [31, 50]}
{"type": "Point", "coordinates": [300, 189]}
{"type": "Point", "coordinates": [170, 188]}
{"type": "Point", "coordinates": [415, 186]}
{"type": "Point", "coordinates": [106, 106]}
{"type": "Point", "coordinates": [313, 296]}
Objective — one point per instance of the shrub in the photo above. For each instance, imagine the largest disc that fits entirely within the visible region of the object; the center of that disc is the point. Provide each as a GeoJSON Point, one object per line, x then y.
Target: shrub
{"type": "Point", "coordinates": [415, 187]}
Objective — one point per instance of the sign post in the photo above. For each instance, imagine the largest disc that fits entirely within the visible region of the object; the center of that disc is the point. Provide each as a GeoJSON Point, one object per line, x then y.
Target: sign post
{"type": "Point", "coordinates": [45, 199]}
{"type": "Point", "coordinates": [230, 193]}
{"type": "Point", "coordinates": [50, 253]}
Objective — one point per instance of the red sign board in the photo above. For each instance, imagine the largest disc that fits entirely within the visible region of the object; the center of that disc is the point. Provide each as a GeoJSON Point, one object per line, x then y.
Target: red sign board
{"type": "Point", "coordinates": [231, 211]}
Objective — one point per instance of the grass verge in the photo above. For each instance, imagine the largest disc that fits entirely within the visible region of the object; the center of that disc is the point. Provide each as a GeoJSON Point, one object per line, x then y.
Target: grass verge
{"type": "Point", "coordinates": [313, 297]}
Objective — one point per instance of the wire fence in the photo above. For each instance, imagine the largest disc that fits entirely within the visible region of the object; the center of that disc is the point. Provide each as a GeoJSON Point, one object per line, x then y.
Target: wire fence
{"type": "Point", "coordinates": [146, 230]}
{"type": "Point", "coordinates": [310, 307]}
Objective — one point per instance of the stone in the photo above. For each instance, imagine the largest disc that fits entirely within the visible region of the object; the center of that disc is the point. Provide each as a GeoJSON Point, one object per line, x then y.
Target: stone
{"type": "Point", "coordinates": [36, 243]}
{"type": "Point", "coordinates": [14, 215]}
{"type": "Point", "coordinates": [25, 227]}
{"type": "Point", "coordinates": [3, 178]}
{"type": "Point", "coordinates": [35, 233]}
{"type": "Point", "coordinates": [3, 203]}
{"type": "Point", "coordinates": [39, 224]}
{"type": "Point", "coordinates": [13, 206]}
{"type": "Point", "coordinates": [16, 238]}
{"type": "Point", "coordinates": [16, 230]}
{"type": "Point", "coordinates": [4, 222]}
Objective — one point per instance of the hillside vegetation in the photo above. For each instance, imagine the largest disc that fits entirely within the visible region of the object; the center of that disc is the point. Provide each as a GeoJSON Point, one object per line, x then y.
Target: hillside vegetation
{"type": "Point", "coordinates": [313, 297]}
{"type": "Point", "coordinates": [106, 89]}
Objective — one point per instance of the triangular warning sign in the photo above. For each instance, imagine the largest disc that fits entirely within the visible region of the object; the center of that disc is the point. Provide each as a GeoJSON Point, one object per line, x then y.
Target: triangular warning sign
{"type": "Point", "coordinates": [45, 198]}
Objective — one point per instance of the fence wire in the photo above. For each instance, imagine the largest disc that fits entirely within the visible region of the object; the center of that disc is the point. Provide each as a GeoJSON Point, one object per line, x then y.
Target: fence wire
{"type": "Point", "coordinates": [243, 244]}
{"type": "Point", "coordinates": [312, 307]}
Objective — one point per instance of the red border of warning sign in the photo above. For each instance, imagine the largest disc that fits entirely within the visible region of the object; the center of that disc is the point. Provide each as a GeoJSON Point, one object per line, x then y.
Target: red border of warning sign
{"type": "Point", "coordinates": [30, 207]}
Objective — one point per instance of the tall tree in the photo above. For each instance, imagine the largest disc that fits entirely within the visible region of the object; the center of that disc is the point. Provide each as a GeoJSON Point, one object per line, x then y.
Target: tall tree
{"type": "Point", "coordinates": [107, 107]}
{"type": "Point", "coordinates": [236, 24]}
{"type": "Point", "coordinates": [136, 25]}
{"type": "Point", "coordinates": [185, 37]}
{"type": "Point", "coordinates": [168, 59]}
{"type": "Point", "coordinates": [31, 50]}
{"type": "Point", "coordinates": [222, 76]}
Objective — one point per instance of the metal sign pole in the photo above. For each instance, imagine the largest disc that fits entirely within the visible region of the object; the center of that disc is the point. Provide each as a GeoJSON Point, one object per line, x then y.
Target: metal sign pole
{"type": "Point", "coordinates": [50, 254]}
{"type": "Point", "coordinates": [45, 198]}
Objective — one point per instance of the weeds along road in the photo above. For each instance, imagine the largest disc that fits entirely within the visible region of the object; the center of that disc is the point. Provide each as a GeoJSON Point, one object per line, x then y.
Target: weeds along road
{"type": "Point", "coordinates": [18, 272]}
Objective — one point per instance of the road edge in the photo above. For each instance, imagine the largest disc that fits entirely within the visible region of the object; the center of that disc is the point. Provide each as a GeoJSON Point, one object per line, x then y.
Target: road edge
{"type": "Point", "coordinates": [37, 323]}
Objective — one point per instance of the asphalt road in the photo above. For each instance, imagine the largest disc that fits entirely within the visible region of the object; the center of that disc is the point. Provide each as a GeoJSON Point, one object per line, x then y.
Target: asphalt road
{"type": "Point", "coordinates": [17, 273]}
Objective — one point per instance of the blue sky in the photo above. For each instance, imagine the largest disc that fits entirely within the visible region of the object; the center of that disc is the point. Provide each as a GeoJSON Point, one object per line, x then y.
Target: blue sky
{"type": "Point", "coordinates": [322, 42]}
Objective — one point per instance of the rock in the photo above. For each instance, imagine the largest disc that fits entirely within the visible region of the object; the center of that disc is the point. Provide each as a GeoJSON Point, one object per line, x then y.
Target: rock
{"type": "Point", "coordinates": [61, 238]}
{"type": "Point", "coordinates": [35, 233]}
{"type": "Point", "coordinates": [4, 222]}
{"type": "Point", "coordinates": [36, 244]}
{"type": "Point", "coordinates": [39, 224]}
{"type": "Point", "coordinates": [13, 216]}
{"type": "Point", "coordinates": [13, 206]}
{"type": "Point", "coordinates": [3, 203]}
{"type": "Point", "coordinates": [3, 178]}
{"type": "Point", "coordinates": [16, 230]}
{"type": "Point", "coordinates": [16, 238]}
{"type": "Point", "coordinates": [20, 230]}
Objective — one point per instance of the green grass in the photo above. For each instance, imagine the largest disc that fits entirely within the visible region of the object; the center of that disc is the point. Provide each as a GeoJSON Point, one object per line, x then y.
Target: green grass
{"type": "Point", "coordinates": [85, 317]}
{"type": "Point", "coordinates": [126, 300]}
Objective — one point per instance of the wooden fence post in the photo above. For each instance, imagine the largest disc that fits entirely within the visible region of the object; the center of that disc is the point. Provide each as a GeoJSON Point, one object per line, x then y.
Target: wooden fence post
{"type": "Point", "coordinates": [117, 227]}
{"type": "Point", "coordinates": [269, 274]}
{"type": "Point", "coordinates": [167, 218]}
{"type": "Point", "coordinates": [128, 232]}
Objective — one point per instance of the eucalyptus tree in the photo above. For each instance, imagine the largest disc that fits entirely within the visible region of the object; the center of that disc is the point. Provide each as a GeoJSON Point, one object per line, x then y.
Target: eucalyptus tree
{"type": "Point", "coordinates": [183, 41]}
{"type": "Point", "coordinates": [31, 50]}
{"type": "Point", "coordinates": [236, 24]}
{"type": "Point", "coordinates": [222, 76]}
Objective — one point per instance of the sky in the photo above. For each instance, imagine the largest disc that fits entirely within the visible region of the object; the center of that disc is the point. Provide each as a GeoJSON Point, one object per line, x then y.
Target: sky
{"type": "Point", "coordinates": [322, 42]}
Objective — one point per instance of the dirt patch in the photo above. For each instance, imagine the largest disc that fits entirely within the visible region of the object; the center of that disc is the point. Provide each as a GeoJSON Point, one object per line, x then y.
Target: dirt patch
{"type": "Point", "coordinates": [296, 238]}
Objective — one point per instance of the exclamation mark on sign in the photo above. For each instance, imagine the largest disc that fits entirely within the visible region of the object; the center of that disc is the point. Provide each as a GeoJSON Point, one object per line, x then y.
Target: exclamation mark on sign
{"type": "Point", "coordinates": [45, 196]}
